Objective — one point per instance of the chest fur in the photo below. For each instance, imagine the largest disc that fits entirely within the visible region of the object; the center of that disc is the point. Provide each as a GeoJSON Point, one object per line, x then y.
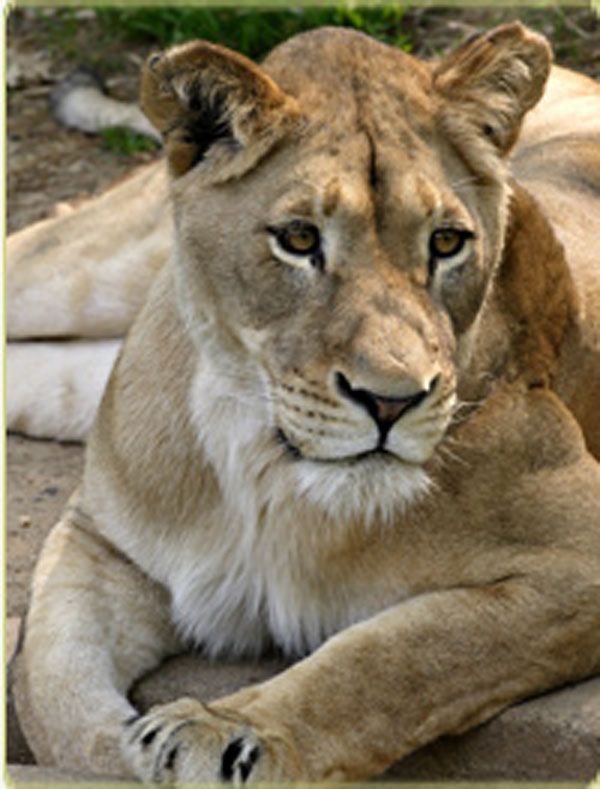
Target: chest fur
{"type": "Point", "coordinates": [240, 587]}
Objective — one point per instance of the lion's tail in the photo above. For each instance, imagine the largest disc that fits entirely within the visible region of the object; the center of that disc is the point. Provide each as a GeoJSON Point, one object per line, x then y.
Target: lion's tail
{"type": "Point", "coordinates": [80, 101]}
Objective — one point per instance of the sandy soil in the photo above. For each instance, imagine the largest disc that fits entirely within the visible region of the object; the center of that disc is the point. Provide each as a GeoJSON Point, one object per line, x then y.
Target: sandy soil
{"type": "Point", "coordinates": [47, 163]}
{"type": "Point", "coordinates": [41, 477]}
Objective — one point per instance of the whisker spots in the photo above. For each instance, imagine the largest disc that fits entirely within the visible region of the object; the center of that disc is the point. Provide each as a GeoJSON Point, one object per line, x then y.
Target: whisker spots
{"type": "Point", "coordinates": [304, 392]}
{"type": "Point", "coordinates": [305, 429]}
{"type": "Point", "coordinates": [311, 414]}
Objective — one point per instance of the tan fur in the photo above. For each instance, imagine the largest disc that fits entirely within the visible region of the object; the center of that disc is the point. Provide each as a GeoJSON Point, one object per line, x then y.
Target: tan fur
{"type": "Point", "coordinates": [406, 574]}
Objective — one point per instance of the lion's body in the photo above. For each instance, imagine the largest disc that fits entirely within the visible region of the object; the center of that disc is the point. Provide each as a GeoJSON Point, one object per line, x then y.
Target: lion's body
{"type": "Point", "coordinates": [558, 161]}
{"type": "Point", "coordinates": [232, 459]}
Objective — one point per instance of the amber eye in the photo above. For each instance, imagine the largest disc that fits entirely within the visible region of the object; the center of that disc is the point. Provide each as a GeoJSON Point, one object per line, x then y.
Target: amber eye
{"type": "Point", "coordinates": [447, 242]}
{"type": "Point", "coordinates": [299, 238]}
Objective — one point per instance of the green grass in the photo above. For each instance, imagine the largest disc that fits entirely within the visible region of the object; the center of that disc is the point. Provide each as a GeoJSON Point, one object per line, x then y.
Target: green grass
{"type": "Point", "coordinates": [126, 142]}
{"type": "Point", "coordinates": [60, 27]}
{"type": "Point", "coordinates": [251, 31]}
{"type": "Point", "coordinates": [248, 30]}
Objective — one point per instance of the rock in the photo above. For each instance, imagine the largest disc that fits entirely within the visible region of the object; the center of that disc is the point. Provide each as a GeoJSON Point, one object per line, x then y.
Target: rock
{"type": "Point", "coordinates": [189, 675]}
{"type": "Point", "coordinates": [33, 775]}
{"type": "Point", "coordinates": [12, 629]}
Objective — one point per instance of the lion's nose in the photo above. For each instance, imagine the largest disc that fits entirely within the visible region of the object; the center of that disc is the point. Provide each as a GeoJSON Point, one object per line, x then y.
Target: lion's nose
{"type": "Point", "coordinates": [383, 410]}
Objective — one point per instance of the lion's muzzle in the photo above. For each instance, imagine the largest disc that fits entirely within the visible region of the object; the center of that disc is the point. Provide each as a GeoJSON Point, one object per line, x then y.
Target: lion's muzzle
{"type": "Point", "coordinates": [384, 410]}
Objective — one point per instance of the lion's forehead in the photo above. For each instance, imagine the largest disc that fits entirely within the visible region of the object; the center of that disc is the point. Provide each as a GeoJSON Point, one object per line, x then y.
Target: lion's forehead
{"type": "Point", "coordinates": [367, 160]}
{"type": "Point", "coordinates": [343, 81]}
{"type": "Point", "coordinates": [329, 64]}
{"type": "Point", "coordinates": [369, 190]}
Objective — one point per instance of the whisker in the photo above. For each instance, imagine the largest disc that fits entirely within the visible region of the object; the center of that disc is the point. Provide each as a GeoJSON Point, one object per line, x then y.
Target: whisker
{"type": "Point", "coordinates": [459, 443]}
{"type": "Point", "coordinates": [463, 410]}
{"type": "Point", "coordinates": [474, 179]}
{"type": "Point", "coordinates": [448, 454]}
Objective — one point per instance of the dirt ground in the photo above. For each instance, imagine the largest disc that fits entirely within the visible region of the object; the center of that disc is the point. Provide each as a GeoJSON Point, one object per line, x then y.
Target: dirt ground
{"type": "Point", "coordinates": [48, 164]}
{"type": "Point", "coordinates": [41, 477]}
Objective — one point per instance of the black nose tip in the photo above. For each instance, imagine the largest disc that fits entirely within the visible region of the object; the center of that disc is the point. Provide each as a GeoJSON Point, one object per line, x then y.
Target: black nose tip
{"type": "Point", "coordinates": [385, 411]}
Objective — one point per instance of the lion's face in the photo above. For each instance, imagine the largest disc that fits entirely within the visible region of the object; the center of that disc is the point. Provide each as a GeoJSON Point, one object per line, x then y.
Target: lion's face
{"type": "Point", "coordinates": [333, 288]}
{"type": "Point", "coordinates": [350, 261]}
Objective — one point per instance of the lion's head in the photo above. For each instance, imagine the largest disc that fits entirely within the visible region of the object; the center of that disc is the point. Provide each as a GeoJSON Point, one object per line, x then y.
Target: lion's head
{"type": "Point", "coordinates": [340, 213]}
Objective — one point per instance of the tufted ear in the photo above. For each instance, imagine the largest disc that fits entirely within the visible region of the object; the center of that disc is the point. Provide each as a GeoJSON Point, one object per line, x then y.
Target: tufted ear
{"type": "Point", "coordinates": [493, 79]}
{"type": "Point", "coordinates": [215, 106]}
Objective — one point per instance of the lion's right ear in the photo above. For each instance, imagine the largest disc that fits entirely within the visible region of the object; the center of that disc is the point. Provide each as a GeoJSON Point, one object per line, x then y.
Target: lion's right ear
{"type": "Point", "coordinates": [215, 106]}
{"type": "Point", "coordinates": [491, 81]}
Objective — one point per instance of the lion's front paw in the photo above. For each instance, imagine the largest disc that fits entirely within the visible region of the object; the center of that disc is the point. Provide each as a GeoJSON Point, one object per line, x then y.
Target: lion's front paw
{"type": "Point", "coordinates": [186, 741]}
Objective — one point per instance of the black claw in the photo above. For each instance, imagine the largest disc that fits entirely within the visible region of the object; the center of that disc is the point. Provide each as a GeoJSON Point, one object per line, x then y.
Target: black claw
{"type": "Point", "coordinates": [147, 738]}
{"type": "Point", "coordinates": [132, 719]}
{"type": "Point", "coordinates": [245, 770]}
{"type": "Point", "coordinates": [248, 763]}
{"type": "Point", "coordinates": [171, 757]}
{"type": "Point", "coordinates": [230, 754]}
{"type": "Point", "coordinates": [231, 763]}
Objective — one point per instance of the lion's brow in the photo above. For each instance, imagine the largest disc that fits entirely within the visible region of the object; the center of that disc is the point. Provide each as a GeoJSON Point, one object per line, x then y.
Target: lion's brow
{"type": "Point", "coordinates": [331, 196]}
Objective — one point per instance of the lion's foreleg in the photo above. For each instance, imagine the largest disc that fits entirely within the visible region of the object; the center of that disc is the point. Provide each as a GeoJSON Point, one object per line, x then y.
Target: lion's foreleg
{"type": "Point", "coordinates": [439, 664]}
{"type": "Point", "coordinates": [95, 624]}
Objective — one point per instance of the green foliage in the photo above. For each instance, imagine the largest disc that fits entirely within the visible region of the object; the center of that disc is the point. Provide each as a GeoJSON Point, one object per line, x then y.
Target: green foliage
{"type": "Point", "coordinates": [249, 30]}
{"type": "Point", "coordinates": [126, 142]}
{"type": "Point", "coordinates": [60, 27]}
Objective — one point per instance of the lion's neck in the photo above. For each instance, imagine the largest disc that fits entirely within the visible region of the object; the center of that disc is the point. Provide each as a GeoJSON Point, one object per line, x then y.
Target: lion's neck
{"type": "Point", "coordinates": [531, 306]}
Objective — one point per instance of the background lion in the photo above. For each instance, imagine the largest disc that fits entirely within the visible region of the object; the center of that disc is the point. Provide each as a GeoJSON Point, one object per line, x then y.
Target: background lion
{"type": "Point", "coordinates": [415, 283]}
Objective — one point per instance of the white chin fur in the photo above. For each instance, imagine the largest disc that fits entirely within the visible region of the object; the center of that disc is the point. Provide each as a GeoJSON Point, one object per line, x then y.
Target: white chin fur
{"type": "Point", "coordinates": [376, 488]}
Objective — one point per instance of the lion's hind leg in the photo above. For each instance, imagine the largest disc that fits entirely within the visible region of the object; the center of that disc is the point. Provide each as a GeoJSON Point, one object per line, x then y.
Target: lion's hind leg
{"type": "Point", "coordinates": [96, 623]}
{"type": "Point", "coordinates": [86, 272]}
{"type": "Point", "coordinates": [53, 389]}
{"type": "Point", "coordinates": [81, 275]}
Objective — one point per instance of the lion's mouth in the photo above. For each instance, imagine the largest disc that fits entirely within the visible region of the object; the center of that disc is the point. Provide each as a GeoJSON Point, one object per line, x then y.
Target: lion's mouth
{"type": "Point", "coordinates": [291, 450]}
{"type": "Point", "coordinates": [296, 454]}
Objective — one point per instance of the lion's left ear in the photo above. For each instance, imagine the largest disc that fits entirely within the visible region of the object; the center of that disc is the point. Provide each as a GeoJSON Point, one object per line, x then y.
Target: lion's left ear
{"type": "Point", "coordinates": [494, 79]}
{"type": "Point", "coordinates": [213, 105]}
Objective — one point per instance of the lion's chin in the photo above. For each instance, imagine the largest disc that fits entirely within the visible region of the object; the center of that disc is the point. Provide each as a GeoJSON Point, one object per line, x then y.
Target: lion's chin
{"type": "Point", "coordinates": [374, 487]}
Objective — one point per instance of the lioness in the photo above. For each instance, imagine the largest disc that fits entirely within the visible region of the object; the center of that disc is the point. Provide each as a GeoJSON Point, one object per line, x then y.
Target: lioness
{"type": "Point", "coordinates": [358, 415]}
